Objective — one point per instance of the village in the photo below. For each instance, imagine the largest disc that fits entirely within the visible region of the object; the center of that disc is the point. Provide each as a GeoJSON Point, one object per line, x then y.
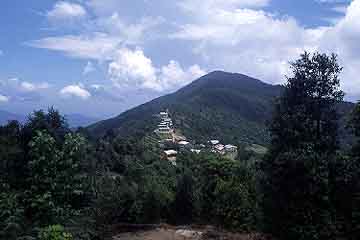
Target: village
{"type": "Point", "coordinates": [172, 143]}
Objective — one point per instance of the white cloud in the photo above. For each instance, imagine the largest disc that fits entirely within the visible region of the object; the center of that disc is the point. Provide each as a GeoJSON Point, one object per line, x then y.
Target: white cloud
{"type": "Point", "coordinates": [3, 98]}
{"type": "Point", "coordinates": [340, 9]}
{"type": "Point", "coordinates": [23, 89]}
{"type": "Point", "coordinates": [64, 10]}
{"type": "Point", "coordinates": [194, 6]}
{"type": "Point", "coordinates": [248, 41]}
{"type": "Point", "coordinates": [30, 87]}
{"type": "Point", "coordinates": [260, 44]}
{"type": "Point", "coordinates": [343, 39]}
{"type": "Point", "coordinates": [75, 91]}
{"type": "Point", "coordinates": [233, 35]}
{"type": "Point", "coordinates": [174, 76]}
{"type": "Point", "coordinates": [89, 68]}
{"type": "Point", "coordinates": [97, 46]}
{"type": "Point", "coordinates": [133, 69]}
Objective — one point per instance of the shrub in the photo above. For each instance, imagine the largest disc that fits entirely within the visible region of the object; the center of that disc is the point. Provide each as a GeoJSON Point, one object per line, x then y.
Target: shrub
{"type": "Point", "coordinates": [54, 232]}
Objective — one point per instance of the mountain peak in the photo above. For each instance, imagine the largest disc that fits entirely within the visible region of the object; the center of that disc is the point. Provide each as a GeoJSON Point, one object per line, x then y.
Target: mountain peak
{"type": "Point", "coordinates": [219, 105]}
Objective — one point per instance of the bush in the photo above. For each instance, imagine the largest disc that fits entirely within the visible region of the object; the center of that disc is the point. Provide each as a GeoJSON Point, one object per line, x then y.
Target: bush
{"type": "Point", "coordinates": [54, 232]}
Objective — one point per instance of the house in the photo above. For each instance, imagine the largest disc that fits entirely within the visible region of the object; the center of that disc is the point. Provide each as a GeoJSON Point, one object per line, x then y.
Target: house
{"type": "Point", "coordinates": [184, 144]}
{"type": "Point", "coordinates": [214, 142]}
{"type": "Point", "coordinates": [230, 148]}
{"type": "Point", "coordinates": [219, 148]}
{"type": "Point", "coordinates": [231, 151]}
{"type": "Point", "coordinates": [170, 155]}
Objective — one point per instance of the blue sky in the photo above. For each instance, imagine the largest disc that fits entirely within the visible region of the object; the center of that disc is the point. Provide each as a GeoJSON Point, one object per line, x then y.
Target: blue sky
{"type": "Point", "coordinates": [101, 57]}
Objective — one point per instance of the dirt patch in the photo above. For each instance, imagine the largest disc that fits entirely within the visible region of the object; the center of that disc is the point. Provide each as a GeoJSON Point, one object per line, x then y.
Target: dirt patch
{"type": "Point", "coordinates": [187, 234]}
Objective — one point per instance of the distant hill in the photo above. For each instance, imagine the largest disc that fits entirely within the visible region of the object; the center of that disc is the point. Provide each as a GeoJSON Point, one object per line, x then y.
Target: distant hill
{"type": "Point", "coordinates": [7, 116]}
{"type": "Point", "coordinates": [78, 120]}
{"type": "Point", "coordinates": [74, 120]}
{"type": "Point", "coordinates": [227, 106]}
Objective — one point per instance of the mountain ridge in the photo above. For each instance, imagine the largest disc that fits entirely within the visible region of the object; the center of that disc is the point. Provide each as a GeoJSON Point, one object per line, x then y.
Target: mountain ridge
{"type": "Point", "coordinates": [231, 107]}
{"type": "Point", "coordinates": [213, 99]}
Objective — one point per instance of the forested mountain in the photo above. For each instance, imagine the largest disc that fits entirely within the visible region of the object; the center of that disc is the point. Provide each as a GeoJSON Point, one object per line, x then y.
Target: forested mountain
{"type": "Point", "coordinates": [229, 106]}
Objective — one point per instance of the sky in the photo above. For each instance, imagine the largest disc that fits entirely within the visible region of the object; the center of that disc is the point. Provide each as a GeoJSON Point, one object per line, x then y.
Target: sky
{"type": "Point", "coordinates": [101, 57]}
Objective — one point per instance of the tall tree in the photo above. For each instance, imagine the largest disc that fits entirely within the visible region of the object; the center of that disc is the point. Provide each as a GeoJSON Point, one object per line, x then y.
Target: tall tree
{"type": "Point", "coordinates": [303, 144]}
{"type": "Point", "coordinates": [350, 185]}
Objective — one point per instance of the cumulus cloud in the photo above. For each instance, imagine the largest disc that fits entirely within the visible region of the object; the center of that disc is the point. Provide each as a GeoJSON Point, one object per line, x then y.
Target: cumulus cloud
{"type": "Point", "coordinates": [75, 91]}
{"type": "Point", "coordinates": [174, 76]}
{"type": "Point", "coordinates": [133, 68]}
{"type": "Point", "coordinates": [23, 90]}
{"type": "Point", "coordinates": [64, 10]}
{"type": "Point", "coordinates": [248, 41]}
{"type": "Point", "coordinates": [127, 67]}
{"type": "Point", "coordinates": [3, 98]}
{"type": "Point", "coordinates": [343, 39]}
{"type": "Point", "coordinates": [233, 35]}
{"type": "Point", "coordinates": [260, 44]}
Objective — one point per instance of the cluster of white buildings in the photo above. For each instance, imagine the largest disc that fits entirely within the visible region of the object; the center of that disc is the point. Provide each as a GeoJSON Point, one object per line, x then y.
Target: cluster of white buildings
{"type": "Point", "coordinates": [227, 150]}
{"type": "Point", "coordinates": [165, 130]}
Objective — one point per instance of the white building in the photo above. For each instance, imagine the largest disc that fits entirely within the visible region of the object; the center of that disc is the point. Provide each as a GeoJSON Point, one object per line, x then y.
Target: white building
{"type": "Point", "coordinates": [183, 143]}
{"type": "Point", "coordinates": [197, 151]}
{"type": "Point", "coordinates": [214, 142]}
{"type": "Point", "coordinates": [170, 155]}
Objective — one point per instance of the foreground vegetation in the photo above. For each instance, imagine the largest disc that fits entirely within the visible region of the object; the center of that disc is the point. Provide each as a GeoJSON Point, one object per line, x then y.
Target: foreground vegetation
{"type": "Point", "coordinates": [54, 184]}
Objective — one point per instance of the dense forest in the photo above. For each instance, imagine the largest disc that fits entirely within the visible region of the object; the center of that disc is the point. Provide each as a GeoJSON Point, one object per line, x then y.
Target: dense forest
{"type": "Point", "coordinates": [56, 183]}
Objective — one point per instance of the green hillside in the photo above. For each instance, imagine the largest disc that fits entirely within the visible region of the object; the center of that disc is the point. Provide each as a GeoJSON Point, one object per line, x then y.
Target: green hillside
{"type": "Point", "coordinates": [227, 106]}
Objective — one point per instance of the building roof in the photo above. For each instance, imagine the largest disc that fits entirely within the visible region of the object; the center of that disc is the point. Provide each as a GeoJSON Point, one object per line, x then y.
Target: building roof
{"type": "Point", "coordinates": [214, 142]}
{"type": "Point", "coordinates": [219, 147]}
{"type": "Point", "coordinates": [183, 143]}
{"type": "Point", "coordinates": [170, 152]}
{"type": "Point", "coordinates": [229, 146]}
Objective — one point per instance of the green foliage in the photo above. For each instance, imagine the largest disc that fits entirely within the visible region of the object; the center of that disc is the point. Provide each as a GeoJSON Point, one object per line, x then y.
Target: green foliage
{"type": "Point", "coordinates": [346, 193]}
{"type": "Point", "coordinates": [54, 232]}
{"type": "Point", "coordinates": [11, 213]}
{"type": "Point", "coordinates": [54, 175]}
{"type": "Point", "coordinates": [218, 191]}
{"type": "Point", "coordinates": [297, 198]}
{"type": "Point", "coordinates": [184, 203]}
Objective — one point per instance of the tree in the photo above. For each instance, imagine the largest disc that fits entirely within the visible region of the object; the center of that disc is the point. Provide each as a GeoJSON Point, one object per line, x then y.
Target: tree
{"type": "Point", "coordinates": [348, 185]}
{"type": "Point", "coordinates": [51, 121]}
{"type": "Point", "coordinates": [303, 145]}
{"type": "Point", "coordinates": [11, 153]}
{"type": "Point", "coordinates": [184, 202]}
{"type": "Point", "coordinates": [54, 178]}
